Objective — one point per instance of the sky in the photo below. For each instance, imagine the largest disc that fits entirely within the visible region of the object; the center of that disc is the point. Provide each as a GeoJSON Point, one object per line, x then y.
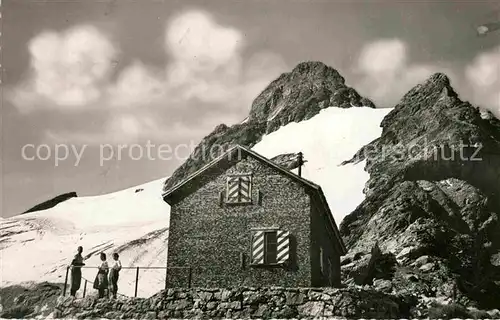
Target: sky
{"type": "Point", "coordinates": [98, 96]}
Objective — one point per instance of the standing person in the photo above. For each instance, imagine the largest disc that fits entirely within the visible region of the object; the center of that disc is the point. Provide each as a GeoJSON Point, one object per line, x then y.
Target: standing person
{"type": "Point", "coordinates": [101, 280]}
{"type": "Point", "coordinates": [76, 271]}
{"type": "Point", "coordinates": [116, 266]}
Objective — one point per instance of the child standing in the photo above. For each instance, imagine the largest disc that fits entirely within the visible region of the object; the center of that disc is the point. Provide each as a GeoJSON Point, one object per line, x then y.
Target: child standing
{"type": "Point", "coordinates": [114, 273]}
{"type": "Point", "coordinates": [101, 281]}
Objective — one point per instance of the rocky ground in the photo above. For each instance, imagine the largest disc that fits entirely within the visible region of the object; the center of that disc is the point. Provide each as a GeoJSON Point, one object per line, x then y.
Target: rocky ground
{"type": "Point", "coordinates": [245, 303]}
{"type": "Point", "coordinates": [28, 301]}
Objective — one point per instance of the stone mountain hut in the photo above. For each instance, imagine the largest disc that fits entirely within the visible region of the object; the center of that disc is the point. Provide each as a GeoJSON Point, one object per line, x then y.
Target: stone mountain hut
{"type": "Point", "coordinates": [243, 220]}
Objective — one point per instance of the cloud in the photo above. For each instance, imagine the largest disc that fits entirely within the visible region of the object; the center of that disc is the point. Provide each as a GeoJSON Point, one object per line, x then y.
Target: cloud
{"type": "Point", "coordinates": [206, 70]}
{"type": "Point", "coordinates": [206, 76]}
{"type": "Point", "coordinates": [196, 39]}
{"type": "Point", "coordinates": [383, 57]}
{"type": "Point", "coordinates": [385, 73]}
{"type": "Point", "coordinates": [67, 68]}
{"type": "Point", "coordinates": [206, 66]}
{"type": "Point", "coordinates": [483, 74]}
{"type": "Point", "coordinates": [137, 85]}
{"type": "Point", "coordinates": [206, 57]}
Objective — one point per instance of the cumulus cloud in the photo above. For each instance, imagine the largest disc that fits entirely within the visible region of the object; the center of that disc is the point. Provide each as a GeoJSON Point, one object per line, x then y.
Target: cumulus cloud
{"type": "Point", "coordinates": [385, 74]}
{"type": "Point", "coordinates": [205, 65]}
{"type": "Point", "coordinates": [137, 85]}
{"type": "Point", "coordinates": [206, 57]}
{"type": "Point", "coordinates": [483, 74]}
{"type": "Point", "coordinates": [67, 68]}
{"type": "Point", "coordinates": [383, 57]}
{"type": "Point", "coordinates": [385, 71]}
{"type": "Point", "coordinates": [71, 71]}
{"type": "Point", "coordinates": [196, 39]}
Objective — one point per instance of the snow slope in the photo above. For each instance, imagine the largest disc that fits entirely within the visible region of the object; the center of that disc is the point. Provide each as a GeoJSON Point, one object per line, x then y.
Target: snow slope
{"type": "Point", "coordinates": [37, 246]}
{"type": "Point", "coordinates": [332, 136]}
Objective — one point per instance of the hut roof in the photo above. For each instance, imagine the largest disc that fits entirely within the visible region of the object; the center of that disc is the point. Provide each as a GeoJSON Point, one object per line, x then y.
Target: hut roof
{"type": "Point", "coordinates": [189, 184]}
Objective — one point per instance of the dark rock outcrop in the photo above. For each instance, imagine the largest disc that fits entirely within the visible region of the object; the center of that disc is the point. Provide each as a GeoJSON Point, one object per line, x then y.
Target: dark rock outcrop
{"type": "Point", "coordinates": [17, 302]}
{"type": "Point", "coordinates": [434, 192]}
{"type": "Point", "coordinates": [287, 160]}
{"type": "Point", "coordinates": [301, 93]}
{"type": "Point", "coordinates": [52, 202]}
{"type": "Point", "coordinates": [293, 97]}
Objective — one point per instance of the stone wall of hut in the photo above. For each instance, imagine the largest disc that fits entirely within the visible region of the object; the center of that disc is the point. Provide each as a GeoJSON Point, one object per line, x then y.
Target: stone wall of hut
{"type": "Point", "coordinates": [215, 240]}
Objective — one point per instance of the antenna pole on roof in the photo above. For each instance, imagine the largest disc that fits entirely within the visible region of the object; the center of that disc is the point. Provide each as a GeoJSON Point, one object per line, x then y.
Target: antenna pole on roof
{"type": "Point", "coordinates": [300, 163]}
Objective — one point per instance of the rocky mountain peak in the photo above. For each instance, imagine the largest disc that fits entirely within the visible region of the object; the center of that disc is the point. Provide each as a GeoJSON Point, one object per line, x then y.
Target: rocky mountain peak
{"type": "Point", "coordinates": [293, 97]}
{"type": "Point", "coordinates": [316, 69]}
{"type": "Point", "coordinates": [426, 94]}
{"type": "Point", "coordinates": [432, 200]}
{"type": "Point", "coordinates": [302, 93]}
{"type": "Point", "coordinates": [440, 78]}
{"type": "Point", "coordinates": [430, 108]}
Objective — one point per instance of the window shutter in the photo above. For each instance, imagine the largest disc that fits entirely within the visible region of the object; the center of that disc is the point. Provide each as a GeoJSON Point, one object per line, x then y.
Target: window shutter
{"type": "Point", "coordinates": [245, 189]}
{"type": "Point", "coordinates": [258, 247]}
{"type": "Point", "coordinates": [259, 198]}
{"type": "Point", "coordinates": [221, 198]}
{"type": "Point", "coordinates": [233, 184]}
{"type": "Point", "coordinates": [239, 189]}
{"type": "Point", "coordinates": [283, 252]}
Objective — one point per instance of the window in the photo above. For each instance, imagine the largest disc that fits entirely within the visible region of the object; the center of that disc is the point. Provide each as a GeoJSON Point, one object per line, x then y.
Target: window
{"type": "Point", "coordinates": [270, 247]}
{"type": "Point", "coordinates": [239, 189]}
{"type": "Point", "coordinates": [321, 266]}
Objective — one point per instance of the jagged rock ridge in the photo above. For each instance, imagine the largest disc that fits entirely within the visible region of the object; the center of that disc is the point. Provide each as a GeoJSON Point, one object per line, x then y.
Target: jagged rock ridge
{"type": "Point", "coordinates": [310, 87]}
{"type": "Point", "coordinates": [52, 202]}
{"type": "Point", "coordinates": [292, 97]}
{"type": "Point", "coordinates": [432, 201]}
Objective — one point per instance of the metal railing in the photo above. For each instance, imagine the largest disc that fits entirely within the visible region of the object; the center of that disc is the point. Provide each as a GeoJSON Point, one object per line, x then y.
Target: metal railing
{"type": "Point", "coordinates": [189, 269]}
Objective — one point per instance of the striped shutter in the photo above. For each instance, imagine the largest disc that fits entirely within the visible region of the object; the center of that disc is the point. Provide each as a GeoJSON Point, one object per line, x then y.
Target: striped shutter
{"type": "Point", "coordinates": [233, 186]}
{"type": "Point", "coordinates": [283, 251]}
{"type": "Point", "coordinates": [239, 189]}
{"type": "Point", "coordinates": [245, 189]}
{"type": "Point", "coordinates": [258, 247]}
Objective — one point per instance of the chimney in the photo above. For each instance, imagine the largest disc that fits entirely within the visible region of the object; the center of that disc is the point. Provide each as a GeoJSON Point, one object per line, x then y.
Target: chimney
{"type": "Point", "coordinates": [300, 163]}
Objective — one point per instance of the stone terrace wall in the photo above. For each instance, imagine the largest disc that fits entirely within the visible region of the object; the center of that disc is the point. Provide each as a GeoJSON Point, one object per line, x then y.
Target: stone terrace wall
{"type": "Point", "coordinates": [242, 303]}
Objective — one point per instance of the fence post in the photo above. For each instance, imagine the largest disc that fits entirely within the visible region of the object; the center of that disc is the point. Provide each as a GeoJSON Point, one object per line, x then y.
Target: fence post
{"type": "Point", "coordinates": [190, 276]}
{"type": "Point", "coordinates": [136, 281]}
{"type": "Point", "coordinates": [84, 288]}
{"type": "Point", "coordinates": [66, 281]}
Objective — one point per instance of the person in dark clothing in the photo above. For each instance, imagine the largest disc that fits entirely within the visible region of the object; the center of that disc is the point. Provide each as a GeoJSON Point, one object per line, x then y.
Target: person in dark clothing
{"type": "Point", "coordinates": [116, 266]}
{"type": "Point", "coordinates": [101, 280]}
{"type": "Point", "coordinates": [76, 271]}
